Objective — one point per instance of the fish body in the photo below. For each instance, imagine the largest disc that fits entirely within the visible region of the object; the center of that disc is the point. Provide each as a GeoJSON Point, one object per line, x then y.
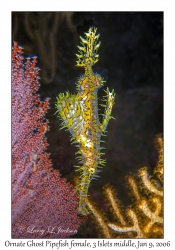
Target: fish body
{"type": "Point", "coordinates": [79, 115]}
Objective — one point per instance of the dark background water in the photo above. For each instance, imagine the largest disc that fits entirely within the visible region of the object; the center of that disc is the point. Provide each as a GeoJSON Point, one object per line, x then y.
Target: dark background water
{"type": "Point", "coordinates": [131, 57]}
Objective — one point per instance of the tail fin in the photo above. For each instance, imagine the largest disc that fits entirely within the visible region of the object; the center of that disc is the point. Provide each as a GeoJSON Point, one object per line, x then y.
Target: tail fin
{"type": "Point", "coordinates": [88, 51]}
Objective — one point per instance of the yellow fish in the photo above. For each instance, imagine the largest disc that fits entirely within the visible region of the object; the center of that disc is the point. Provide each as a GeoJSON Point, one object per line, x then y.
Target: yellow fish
{"type": "Point", "coordinates": [79, 114]}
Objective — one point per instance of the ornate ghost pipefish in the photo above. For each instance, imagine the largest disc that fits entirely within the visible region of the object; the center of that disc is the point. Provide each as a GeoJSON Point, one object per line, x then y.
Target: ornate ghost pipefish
{"type": "Point", "coordinates": [79, 114]}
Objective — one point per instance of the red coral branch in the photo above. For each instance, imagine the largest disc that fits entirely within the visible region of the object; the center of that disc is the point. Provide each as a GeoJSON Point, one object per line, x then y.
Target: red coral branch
{"type": "Point", "coordinates": [43, 204]}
